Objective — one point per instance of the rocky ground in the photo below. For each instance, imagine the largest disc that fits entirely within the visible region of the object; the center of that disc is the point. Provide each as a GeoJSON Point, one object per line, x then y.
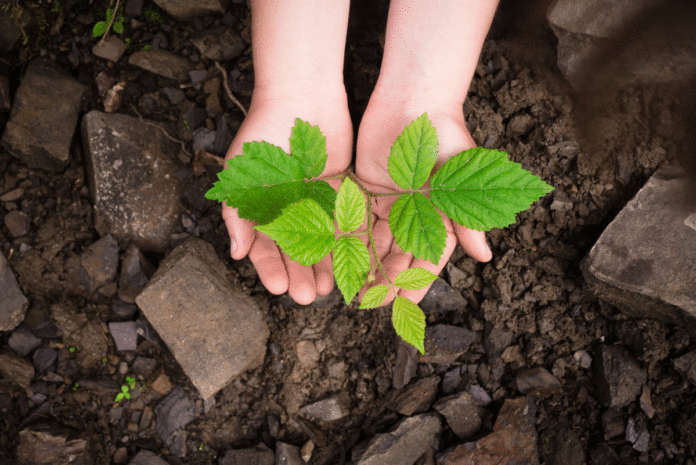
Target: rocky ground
{"type": "Point", "coordinates": [114, 269]}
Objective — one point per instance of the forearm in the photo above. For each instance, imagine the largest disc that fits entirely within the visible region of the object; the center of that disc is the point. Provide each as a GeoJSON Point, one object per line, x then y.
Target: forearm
{"type": "Point", "coordinates": [298, 44]}
{"type": "Point", "coordinates": [432, 47]}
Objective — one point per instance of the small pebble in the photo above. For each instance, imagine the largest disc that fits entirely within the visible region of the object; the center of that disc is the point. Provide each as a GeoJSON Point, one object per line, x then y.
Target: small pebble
{"type": "Point", "coordinates": [122, 368]}
{"type": "Point", "coordinates": [12, 195]}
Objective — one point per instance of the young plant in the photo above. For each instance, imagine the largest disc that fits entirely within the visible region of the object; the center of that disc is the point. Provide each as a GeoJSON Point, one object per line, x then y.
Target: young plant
{"type": "Point", "coordinates": [478, 188]}
{"type": "Point", "coordinates": [125, 389]}
{"type": "Point", "coordinates": [114, 18]}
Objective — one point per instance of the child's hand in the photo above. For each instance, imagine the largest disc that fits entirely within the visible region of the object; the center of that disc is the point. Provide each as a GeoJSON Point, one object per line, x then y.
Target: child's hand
{"type": "Point", "coordinates": [384, 120]}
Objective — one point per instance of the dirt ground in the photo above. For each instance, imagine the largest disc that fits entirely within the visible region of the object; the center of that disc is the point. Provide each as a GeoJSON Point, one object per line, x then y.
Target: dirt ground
{"type": "Point", "coordinates": [533, 287]}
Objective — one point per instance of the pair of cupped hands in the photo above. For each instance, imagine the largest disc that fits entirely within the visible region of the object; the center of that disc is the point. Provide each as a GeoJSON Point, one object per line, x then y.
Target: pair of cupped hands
{"type": "Point", "coordinates": [271, 119]}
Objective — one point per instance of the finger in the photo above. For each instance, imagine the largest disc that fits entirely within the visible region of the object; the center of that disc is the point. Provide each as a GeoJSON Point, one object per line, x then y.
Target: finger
{"type": "Point", "coordinates": [323, 274]}
{"type": "Point", "coordinates": [267, 260]}
{"type": "Point", "coordinates": [473, 242]}
{"type": "Point", "coordinates": [301, 281]}
{"type": "Point", "coordinates": [241, 232]}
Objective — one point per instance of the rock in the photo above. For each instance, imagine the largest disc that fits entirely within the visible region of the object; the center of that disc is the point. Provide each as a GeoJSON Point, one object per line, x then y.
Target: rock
{"type": "Point", "coordinates": [219, 44]}
{"type": "Point", "coordinates": [452, 381]}
{"type": "Point", "coordinates": [520, 125]}
{"type": "Point", "coordinates": [307, 353]}
{"type": "Point", "coordinates": [203, 139]}
{"type": "Point", "coordinates": [257, 455]}
{"type": "Point", "coordinates": [404, 444]}
{"type": "Point", "coordinates": [175, 96]}
{"type": "Point", "coordinates": [5, 100]}
{"type": "Point", "coordinates": [44, 358]}
{"type": "Point", "coordinates": [457, 278]}
{"type": "Point", "coordinates": [637, 434]}
{"type": "Point", "coordinates": [462, 412]}
{"type": "Point", "coordinates": [442, 298]}
{"type": "Point", "coordinates": [163, 384]}
{"type": "Point", "coordinates": [583, 358]}
{"type": "Point", "coordinates": [132, 177]}
{"type": "Point", "coordinates": [125, 335]}
{"type": "Point", "coordinates": [619, 377]}
{"type": "Point", "coordinates": [223, 140]}
{"type": "Point", "coordinates": [496, 340]}
{"type": "Point", "coordinates": [111, 49]}
{"type": "Point", "coordinates": [97, 267]}
{"type": "Point", "coordinates": [145, 457]}
{"type": "Point", "coordinates": [123, 310]}
{"type": "Point", "coordinates": [416, 398]}
{"type": "Point", "coordinates": [565, 448]}
{"type": "Point", "coordinates": [187, 10]}
{"type": "Point", "coordinates": [144, 365]}
{"type": "Point", "coordinates": [635, 267]}
{"type": "Point", "coordinates": [514, 438]}
{"type": "Point", "coordinates": [538, 383]}
{"type": "Point", "coordinates": [445, 343]}
{"type": "Point", "coordinates": [287, 454]}
{"type": "Point", "coordinates": [480, 395]}
{"type": "Point", "coordinates": [13, 303]}
{"type": "Point", "coordinates": [646, 403]}
{"type": "Point", "coordinates": [120, 456]}
{"type": "Point", "coordinates": [17, 222]}
{"type": "Point", "coordinates": [686, 366]}
{"type": "Point", "coordinates": [42, 121]}
{"type": "Point", "coordinates": [613, 423]}
{"type": "Point", "coordinates": [16, 370]}
{"type": "Point", "coordinates": [11, 196]}
{"type": "Point", "coordinates": [86, 335]}
{"type": "Point", "coordinates": [213, 330]}
{"type": "Point", "coordinates": [405, 365]}
{"type": "Point", "coordinates": [23, 341]}
{"type": "Point", "coordinates": [173, 413]}
{"type": "Point", "coordinates": [603, 454]}
{"type": "Point", "coordinates": [162, 62]}
{"type": "Point", "coordinates": [330, 409]}
{"type": "Point", "coordinates": [49, 445]}
{"type": "Point", "coordinates": [136, 271]}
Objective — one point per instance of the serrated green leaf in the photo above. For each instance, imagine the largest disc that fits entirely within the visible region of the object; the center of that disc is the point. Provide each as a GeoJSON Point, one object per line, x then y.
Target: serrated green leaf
{"type": "Point", "coordinates": [118, 27]}
{"type": "Point", "coordinates": [414, 154]}
{"type": "Point", "coordinates": [409, 322]}
{"type": "Point", "coordinates": [304, 231]}
{"type": "Point", "coordinates": [308, 145]}
{"type": "Point", "coordinates": [99, 29]}
{"type": "Point", "coordinates": [350, 206]}
{"type": "Point", "coordinates": [414, 279]}
{"type": "Point", "coordinates": [323, 194]}
{"type": "Point", "coordinates": [374, 297]}
{"type": "Point", "coordinates": [351, 263]}
{"type": "Point", "coordinates": [481, 189]}
{"type": "Point", "coordinates": [417, 227]}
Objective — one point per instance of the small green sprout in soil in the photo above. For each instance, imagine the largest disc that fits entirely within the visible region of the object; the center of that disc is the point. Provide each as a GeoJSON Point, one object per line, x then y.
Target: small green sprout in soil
{"type": "Point", "coordinates": [101, 27]}
{"type": "Point", "coordinates": [126, 388]}
{"type": "Point", "coordinates": [72, 349]}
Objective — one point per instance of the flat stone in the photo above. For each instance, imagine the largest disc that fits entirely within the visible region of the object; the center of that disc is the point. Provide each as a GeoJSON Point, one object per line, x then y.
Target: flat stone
{"type": "Point", "coordinates": [11, 196]}
{"type": "Point", "coordinates": [514, 437]}
{"type": "Point", "coordinates": [213, 330]}
{"type": "Point", "coordinates": [173, 413]}
{"type": "Point", "coordinates": [13, 303]}
{"type": "Point", "coordinates": [410, 439]}
{"type": "Point", "coordinates": [97, 266]}
{"type": "Point", "coordinates": [86, 335]}
{"type": "Point", "coordinates": [219, 44]}
{"type": "Point", "coordinates": [136, 271]}
{"type": "Point", "coordinates": [287, 454]}
{"type": "Point", "coordinates": [164, 63]}
{"type": "Point", "coordinates": [442, 298]}
{"type": "Point", "coordinates": [16, 370]}
{"type": "Point", "coordinates": [686, 366]}
{"type": "Point", "coordinates": [619, 377]}
{"type": "Point", "coordinates": [5, 99]}
{"type": "Point", "coordinates": [125, 335]}
{"type": "Point", "coordinates": [538, 383]}
{"type": "Point", "coordinates": [145, 457]}
{"type": "Point", "coordinates": [43, 121]}
{"type": "Point", "coordinates": [132, 177]}
{"type": "Point", "coordinates": [44, 358]}
{"type": "Point", "coordinates": [462, 412]}
{"type": "Point", "coordinates": [445, 343]}
{"type": "Point", "coordinates": [23, 341]}
{"type": "Point", "coordinates": [257, 455]}
{"type": "Point", "coordinates": [187, 10]}
{"type": "Point", "coordinates": [405, 365]}
{"type": "Point", "coordinates": [643, 261]}
{"type": "Point", "coordinates": [416, 398]}
{"type": "Point", "coordinates": [111, 49]}
{"type": "Point", "coordinates": [332, 408]}
{"type": "Point", "coordinates": [49, 445]}
{"type": "Point", "coordinates": [17, 222]}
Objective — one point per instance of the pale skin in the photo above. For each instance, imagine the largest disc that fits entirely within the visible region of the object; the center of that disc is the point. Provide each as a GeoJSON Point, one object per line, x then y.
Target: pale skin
{"type": "Point", "coordinates": [431, 51]}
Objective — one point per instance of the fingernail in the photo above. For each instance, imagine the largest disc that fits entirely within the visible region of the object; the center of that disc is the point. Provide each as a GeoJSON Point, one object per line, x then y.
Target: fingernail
{"type": "Point", "coordinates": [233, 246]}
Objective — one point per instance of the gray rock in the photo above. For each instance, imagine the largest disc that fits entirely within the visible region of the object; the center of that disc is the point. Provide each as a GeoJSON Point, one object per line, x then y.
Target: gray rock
{"type": "Point", "coordinates": [97, 266]}
{"type": "Point", "coordinates": [619, 377]}
{"type": "Point", "coordinates": [287, 454]}
{"type": "Point", "coordinates": [537, 383]}
{"type": "Point", "coordinates": [111, 49]}
{"type": "Point", "coordinates": [166, 64]}
{"type": "Point", "coordinates": [203, 139]}
{"type": "Point", "coordinates": [462, 412]}
{"type": "Point", "coordinates": [136, 271]}
{"type": "Point", "coordinates": [123, 310]}
{"type": "Point", "coordinates": [175, 96]}
{"type": "Point", "coordinates": [416, 398]}
{"type": "Point", "coordinates": [50, 444]}
{"type": "Point", "coordinates": [213, 330]}
{"type": "Point", "coordinates": [17, 222]}
{"type": "Point", "coordinates": [404, 444]}
{"type": "Point", "coordinates": [442, 298]}
{"type": "Point", "coordinates": [257, 455]}
{"type": "Point", "coordinates": [44, 358]}
{"type": "Point", "coordinates": [43, 121]}
{"type": "Point", "coordinates": [686, 366]}
{"type": "Point", "coordinates": [144, 365]}
{"type": "Point", "coordinates": [145, 457]}
{"type": "Point", "coordinates": [125, 335]}
{"type": "Point", "coordinates": [132, 176]}
{"type": "Point", "coordinates": [186, 10]}
{"type": "Point", "coordinates": [445, 343]}
{"type": "Point", "coordinates": [11, 196]}
{"type": "Point", "coordinates": [223, 140]}
{"type": "Point", "coordinates": [23, 341]}
{"type": "Point", "coordinates": [173, 413]}
{"type": "Point", "coordinates": [496, 340]}
{"type": "Point", "coordinates": [405, 365]}
{"type": "Point", "coordinates": [565, 448]}
{"type": "Point", "coordinates": [457, 278]}
{"type": "Point", "coordinates": [86, 335]}
{"type": "Point", "coordinates": [514, 437]}
{"type": "Point", "coordinates": [10, 33]}
{"type": "Point", "coordinates": [638, 265]}
{"type": "Point", "coordinates": [13, 303]}
{"type": "Point", "coordinates": [637, 434]}
{"type": "Point", "coordinates": [5, 100]}
{"type": "Point", "coordinates": [219, 44]}
{"type": "Point", "coordinates": [330, 409]}
{"type": "Point", "coordinates": [16, 370]}
{"type": "Point", "coordinates": [452, 381]}
{"type": "Point", "coordinates": [480, 395]}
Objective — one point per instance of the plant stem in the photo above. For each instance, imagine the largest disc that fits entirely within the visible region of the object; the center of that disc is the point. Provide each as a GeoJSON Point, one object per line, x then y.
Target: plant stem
{"type": "Point", "coordinates": [113, 16]}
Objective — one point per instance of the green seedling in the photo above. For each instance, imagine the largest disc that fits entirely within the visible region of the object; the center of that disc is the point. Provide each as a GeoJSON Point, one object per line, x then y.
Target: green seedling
{"type": "Point", "coordinates": [146, 47]}
{"type": "Point", "coordinates": [125, 389]}
{"type": "Point", "coordinates": [102, 27]}
{"type": "Point", "coordinates": [72, 349]}
{"type": "Point", "coordinates": [75, 387]}
{"type": "Point", "coordinates": [153, 15]}
{"type": "Point", "coordinates": [478, 188]}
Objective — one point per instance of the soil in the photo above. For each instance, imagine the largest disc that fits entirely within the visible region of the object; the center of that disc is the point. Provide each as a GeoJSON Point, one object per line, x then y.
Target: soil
{"type": "Point", "coordinates": [532, 287]}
